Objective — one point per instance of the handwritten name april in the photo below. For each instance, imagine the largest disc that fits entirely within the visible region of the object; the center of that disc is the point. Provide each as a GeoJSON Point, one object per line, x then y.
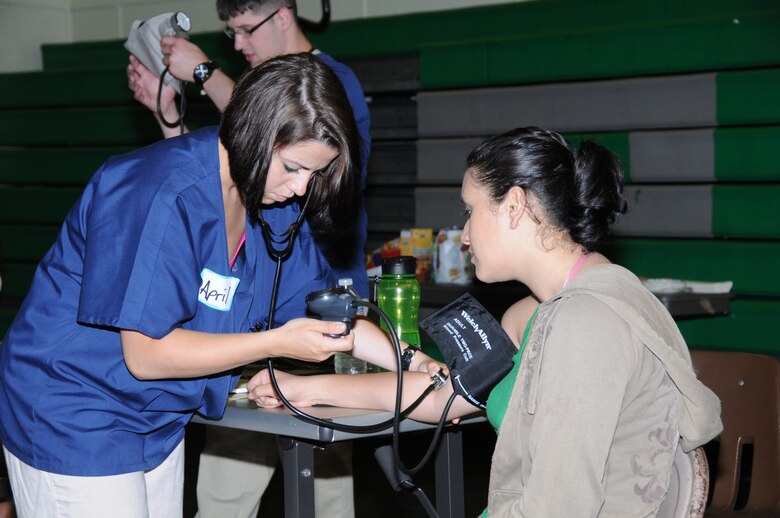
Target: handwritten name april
{"type": "Point", "coordinates": [215, 296]}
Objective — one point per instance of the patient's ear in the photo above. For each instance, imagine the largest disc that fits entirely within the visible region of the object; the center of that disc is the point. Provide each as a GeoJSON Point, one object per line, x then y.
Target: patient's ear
{"type": "Point", "coordinates": [516, 204]}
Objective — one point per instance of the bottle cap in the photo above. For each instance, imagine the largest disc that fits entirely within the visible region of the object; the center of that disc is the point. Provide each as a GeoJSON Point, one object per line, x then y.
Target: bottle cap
{"type": "Point", "coordinates": [345, 282]}
{"type": "Point", "coordinates": [399, 265]}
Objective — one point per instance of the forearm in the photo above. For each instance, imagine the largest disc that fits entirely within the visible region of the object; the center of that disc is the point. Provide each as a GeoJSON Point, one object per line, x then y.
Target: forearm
{"type": "Point", "coordinates": [170, 114]}
{"type": "Point", "coordinates": [375, 346]}
{"type": "Point", "coordinates": [189, 354]}
{"type": "Point", "coordinates": [378, 392]}
{"type": "Point", "coordinates": [219, 88]}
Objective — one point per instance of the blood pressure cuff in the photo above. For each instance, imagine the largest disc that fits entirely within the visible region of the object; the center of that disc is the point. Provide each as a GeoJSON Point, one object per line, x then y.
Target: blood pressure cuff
{"type": "Point", "coordinates": [475, 347]}
{"type": "Point", "coordinates": [144, 43]}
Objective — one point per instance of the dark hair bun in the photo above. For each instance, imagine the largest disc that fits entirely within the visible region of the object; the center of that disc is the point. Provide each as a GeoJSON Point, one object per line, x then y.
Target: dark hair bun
{"type": "Point", "coordinates": [598, 183]}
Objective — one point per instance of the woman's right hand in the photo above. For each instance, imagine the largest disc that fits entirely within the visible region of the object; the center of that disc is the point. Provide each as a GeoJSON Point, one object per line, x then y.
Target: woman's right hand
{"type": "Point", "coordinates": [304, 339]}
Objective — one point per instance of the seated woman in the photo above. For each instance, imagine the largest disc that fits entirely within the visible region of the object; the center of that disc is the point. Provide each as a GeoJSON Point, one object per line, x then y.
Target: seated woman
{"type": "Point", "coordinates": [602, 389]}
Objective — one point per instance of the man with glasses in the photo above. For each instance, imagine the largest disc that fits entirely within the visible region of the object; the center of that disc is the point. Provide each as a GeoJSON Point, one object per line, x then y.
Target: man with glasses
{"type": "Point", "coordinates": [236, 466]}
{"type": "Point", "coordinates": [261, 30]}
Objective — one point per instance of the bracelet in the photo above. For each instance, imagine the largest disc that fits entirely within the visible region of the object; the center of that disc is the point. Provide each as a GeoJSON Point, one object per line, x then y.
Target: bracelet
{"type": "Point", "coordinates": [407, 355]}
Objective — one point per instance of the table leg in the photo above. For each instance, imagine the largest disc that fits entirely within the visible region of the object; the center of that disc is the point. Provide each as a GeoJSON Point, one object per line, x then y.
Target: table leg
{"type": "Point", "coordinates": [298, 470]}
{"type": "Point", "coordinates": [449, 475]}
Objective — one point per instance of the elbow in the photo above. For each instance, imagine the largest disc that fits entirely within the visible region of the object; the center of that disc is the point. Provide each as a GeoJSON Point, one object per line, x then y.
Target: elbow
{"type": "Point", "coordinates": [138, 368]}
{"type": "Point", "coordinates": [136, 356]}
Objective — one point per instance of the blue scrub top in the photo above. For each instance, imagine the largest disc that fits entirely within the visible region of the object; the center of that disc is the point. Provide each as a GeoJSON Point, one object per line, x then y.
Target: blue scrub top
{"type": "Point", "coordinates": [144, 249]}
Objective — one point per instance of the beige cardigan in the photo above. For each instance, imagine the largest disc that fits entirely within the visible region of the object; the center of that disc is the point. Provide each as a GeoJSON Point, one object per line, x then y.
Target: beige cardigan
{"type": "Point", "coordinates": [604, 393]}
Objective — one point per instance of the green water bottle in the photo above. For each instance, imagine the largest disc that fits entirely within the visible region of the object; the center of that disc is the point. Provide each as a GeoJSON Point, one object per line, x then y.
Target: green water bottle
{"type": "Point", "coordinates": [398, 295]}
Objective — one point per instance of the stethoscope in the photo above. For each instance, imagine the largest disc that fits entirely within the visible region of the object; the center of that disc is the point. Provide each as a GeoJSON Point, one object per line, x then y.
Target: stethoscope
{"type": "Point", "coordinates": [292, 230]}
{"type": "Point", "coordinates": [272, 239]}
{"type": "Point", "coordinates": [388, 457]}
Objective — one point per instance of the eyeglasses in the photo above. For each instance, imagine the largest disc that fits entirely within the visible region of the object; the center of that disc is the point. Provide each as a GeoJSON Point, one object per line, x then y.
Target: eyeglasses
{"type": "Point", "coordinates": [232, 33]}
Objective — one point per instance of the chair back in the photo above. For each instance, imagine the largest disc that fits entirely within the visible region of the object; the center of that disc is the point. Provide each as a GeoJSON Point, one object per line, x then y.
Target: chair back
{"type": "Point", "coordinates": [687, 495]}
{"type": "Point", "coordinates": [746, 474]}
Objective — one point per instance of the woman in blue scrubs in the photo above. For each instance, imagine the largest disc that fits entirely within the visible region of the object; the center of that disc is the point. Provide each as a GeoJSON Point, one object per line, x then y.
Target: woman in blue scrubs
{"type": "Point", "coordinates": [139, 315]}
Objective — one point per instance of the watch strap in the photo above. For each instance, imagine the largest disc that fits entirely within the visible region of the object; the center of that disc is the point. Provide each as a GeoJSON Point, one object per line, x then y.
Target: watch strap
{"type": "Point", "coordinates": [203, 72]}
{"type": "Point", "coordinates": [407, 355]}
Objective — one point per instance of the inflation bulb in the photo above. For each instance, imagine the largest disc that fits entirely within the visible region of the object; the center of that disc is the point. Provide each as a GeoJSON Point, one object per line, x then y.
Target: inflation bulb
{"type": "Point", "coordinates": [333, 305]}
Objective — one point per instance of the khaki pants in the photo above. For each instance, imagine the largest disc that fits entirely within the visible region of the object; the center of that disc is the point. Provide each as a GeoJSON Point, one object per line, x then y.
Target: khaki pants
{"type": "Point", "coordinates": [237, 465]}
{"type": "Point", "coordinates": [156, 493]}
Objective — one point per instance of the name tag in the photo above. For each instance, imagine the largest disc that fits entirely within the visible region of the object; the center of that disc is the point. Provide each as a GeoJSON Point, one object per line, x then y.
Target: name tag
{"type": "Point", "coordinates": [216, 291]}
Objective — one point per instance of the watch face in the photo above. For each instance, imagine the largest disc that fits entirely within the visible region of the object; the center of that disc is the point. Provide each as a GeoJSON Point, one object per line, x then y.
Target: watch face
{"type": "Point", "coordinates": [201, 71]}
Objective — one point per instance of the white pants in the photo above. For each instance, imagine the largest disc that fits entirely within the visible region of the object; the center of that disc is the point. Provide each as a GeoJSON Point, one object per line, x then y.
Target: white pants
{"type": "Point", "coordinates": [236, 467]}
{"type": "Point", "coordinates": [156, 493]}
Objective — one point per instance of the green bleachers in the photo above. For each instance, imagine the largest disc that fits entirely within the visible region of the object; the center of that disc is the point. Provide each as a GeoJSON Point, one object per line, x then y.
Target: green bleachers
{"type": "Point", "coordinates": [679, 45]}
{"type": "Point", "coordinates": [746, 328]}
{"type": "Point", "coordinates": [530, 38]}
{"type": "Point", "coordinates": [751, 264]}
{"type": "Point", "coordinates": [64, 88]}
{"type": "Point", "coordinates": [58, 125]}
{"type": "Point", "coordinates": [53, 165]}
{"type": "Point", "coordinates": [747, 154]}
{"type": "Point", "coordinates": [742, 154]}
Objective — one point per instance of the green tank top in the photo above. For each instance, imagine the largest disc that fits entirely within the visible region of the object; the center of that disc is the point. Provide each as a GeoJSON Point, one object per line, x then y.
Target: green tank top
{"type": "Point", "coordinates": [498, 400]}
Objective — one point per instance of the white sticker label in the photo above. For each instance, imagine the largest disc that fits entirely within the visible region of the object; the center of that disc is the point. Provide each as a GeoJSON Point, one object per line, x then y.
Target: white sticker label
{"type": "Point", "coordinates": [216, 291]}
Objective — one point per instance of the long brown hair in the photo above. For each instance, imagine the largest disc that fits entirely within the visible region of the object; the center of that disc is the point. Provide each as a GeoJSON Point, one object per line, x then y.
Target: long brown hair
{"type": "Point", "coordinates": [287, 100]}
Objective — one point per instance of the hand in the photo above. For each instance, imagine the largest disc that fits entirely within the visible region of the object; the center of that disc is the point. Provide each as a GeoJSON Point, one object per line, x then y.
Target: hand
{"type": "Point", "coordinates": [145, 84]}
{"type": "Point", "coordinates": [181, 56]}
{"type": "Point", "coordinates": [304, 339]}
{"type": "Point", "coordinates": [424, 363]}
{"type": "Point", "coordinates": [261, 391]}
{"type": "Point", "coordinates": [430, 366]}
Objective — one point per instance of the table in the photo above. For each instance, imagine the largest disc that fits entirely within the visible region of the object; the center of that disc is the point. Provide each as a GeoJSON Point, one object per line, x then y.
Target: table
{"type": "Point", "coordinates": [682, 305]}
{"type": "Point", "coordinates": [298, 438]}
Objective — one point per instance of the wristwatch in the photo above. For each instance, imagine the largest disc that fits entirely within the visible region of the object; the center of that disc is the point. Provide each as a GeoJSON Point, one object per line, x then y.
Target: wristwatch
{"type": "Point", "coordinates": [407, 355]}
{"type": "Point", "coordinates": [203, 71]}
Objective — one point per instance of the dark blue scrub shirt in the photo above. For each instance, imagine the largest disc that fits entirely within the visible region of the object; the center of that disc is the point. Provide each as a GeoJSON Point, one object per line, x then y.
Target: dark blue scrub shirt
{"type": "Point", "coordinates": [143, 249]}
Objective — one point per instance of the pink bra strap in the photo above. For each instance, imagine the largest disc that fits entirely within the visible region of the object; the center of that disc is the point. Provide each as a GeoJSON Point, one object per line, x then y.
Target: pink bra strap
{"type": "Point", "coordinates": [577, 267]}
{"type": "Point", "coordinates": [238, 249]}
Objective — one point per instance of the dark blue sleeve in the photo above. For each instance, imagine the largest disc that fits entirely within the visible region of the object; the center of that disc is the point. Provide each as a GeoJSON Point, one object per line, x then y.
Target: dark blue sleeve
{"type": "Point", "coordinates": [140, 269]}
